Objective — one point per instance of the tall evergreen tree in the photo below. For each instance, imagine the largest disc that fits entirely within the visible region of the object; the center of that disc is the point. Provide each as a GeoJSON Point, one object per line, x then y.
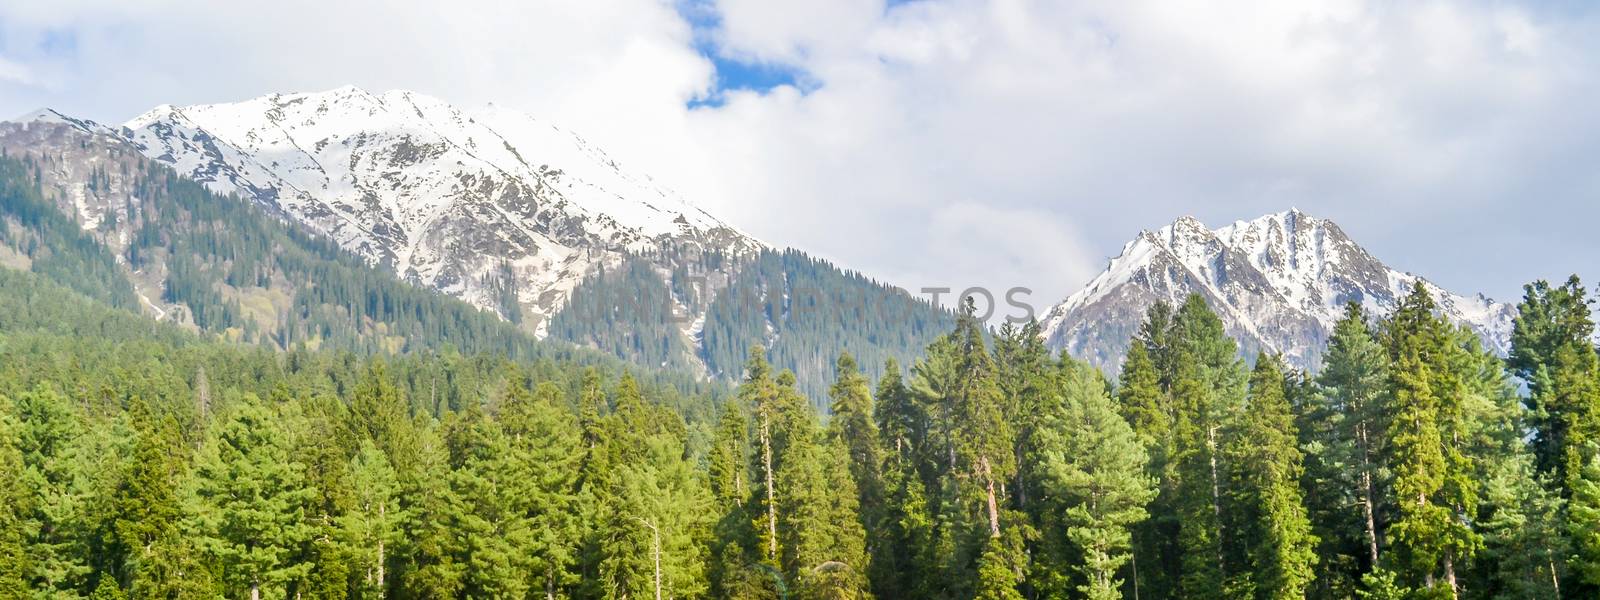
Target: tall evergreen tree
{"type": "Point", "coordinates": [1268, 507]}
{"type": "Point", "coordinates": [153, 558]}
{"type": "Point", "coordinates": [1207, 391]}
{"type": "Point", "coordinates": [544, 443]}
{"type": "Point", "coordinates": [1342, 424]}
{"type": "Point", "coordinates": [1094, 476]}
{"type": "Point", "coordinates": [1432, 475]}
{"type": "Point", "coordinates": [853, 436]}
{"type": "Point", "coordinates": [14, 506]}
{"type": "Point", "coordinates": [1584, 523]}
{"type": "Point", "coordinates": [48, 439]}
{"type": "Point", "coordinates": [760, 393]}
{"type": "Point", "coordinates": [1148, 409]}
{"type": "Point", "coordinates": [1552, 353]}
{"type": "Point", "coordinates": [903, 569]}
{"type": "Point", "coordinates": [246, 500]}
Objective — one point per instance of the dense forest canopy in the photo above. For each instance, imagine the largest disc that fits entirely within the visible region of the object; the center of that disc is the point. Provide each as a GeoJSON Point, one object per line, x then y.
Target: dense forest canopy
{"type": "Point", "coordinates": [143, 460]}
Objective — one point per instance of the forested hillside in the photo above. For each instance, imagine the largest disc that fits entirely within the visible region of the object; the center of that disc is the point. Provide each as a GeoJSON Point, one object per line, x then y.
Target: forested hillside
{"type": "Point", "coordinates": [1410, 467]}
{"type": "Point", "coordinates": [91, 212]}
{"type": "Point", "coordinates": [215, 263]}
{"type": "Point", "coordinates": [710, 309]}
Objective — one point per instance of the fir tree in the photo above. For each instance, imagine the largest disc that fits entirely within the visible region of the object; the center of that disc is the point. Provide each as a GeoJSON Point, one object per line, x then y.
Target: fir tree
{"type": "Point", "coordinates": [1584, 523]}
{"type": "Point", "coordinates": [1095, 477]}
{"type": "Point", "coordinates": [1207, 388]}
{"type": "Point", "coordinates": [544, 447]}
{"type": "Point", "coordinates": [372, 527]}
{"type": "Point", "coordinates": [48, 438]}
{"type": "Point", "coordinates": [1269, 510]}
{"type": "Point", "coordinates": [1431, 474]}
{"type": "Point", "coordinates": [14, 506]}
{"type": "Point", "coordinates": [246, 501]}
{"type": "Point", "coordinates": [1342, 424]}
{"type": "Point", "coordinates": [1148, 410]}
{"type": "Point", "coordinates": [853, 430]}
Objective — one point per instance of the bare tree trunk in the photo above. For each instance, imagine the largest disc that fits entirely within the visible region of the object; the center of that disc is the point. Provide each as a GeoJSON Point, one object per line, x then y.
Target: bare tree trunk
{"type": "Point", "coordinates": [994, 507]}
{"type": "Point", "coordinates": [772, 507]}
{"type": "Point", "coordinates": [1368, 492]}
{"type": "Point", "coordinates": [655, 545]}
{"type": "Point", "coordinates": [1134, 560]}
{"type": "Point", "coordinates": [382, 511]}
{"type": "Point", "coordinates": [1555, 581]}
{"type": "Point", "coordinates": [1216, 492]}
{"type": "Point", "coordinates": [1450, 574]}
{"type": "Point", "coordinates": [255, 590]}
{"type": "Point", "coordinates": [738, 486]}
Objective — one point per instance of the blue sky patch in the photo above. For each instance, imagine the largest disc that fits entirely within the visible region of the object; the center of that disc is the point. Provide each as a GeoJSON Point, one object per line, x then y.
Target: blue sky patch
{"type": "Point", "coordinates": [732, 74]}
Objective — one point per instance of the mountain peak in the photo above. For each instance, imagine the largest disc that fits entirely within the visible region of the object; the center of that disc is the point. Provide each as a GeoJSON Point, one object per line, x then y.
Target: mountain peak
{"type": "Point", "coordinates": [1279, 281]}
{"type": "Point", "coordinates": [50, 115]}
{"type": "Point", "coordinates": [452, 198]}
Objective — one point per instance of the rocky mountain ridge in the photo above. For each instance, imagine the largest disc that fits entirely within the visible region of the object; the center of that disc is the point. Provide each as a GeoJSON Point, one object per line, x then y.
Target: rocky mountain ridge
{"type": "Point", "coordinates": [1279, 282]}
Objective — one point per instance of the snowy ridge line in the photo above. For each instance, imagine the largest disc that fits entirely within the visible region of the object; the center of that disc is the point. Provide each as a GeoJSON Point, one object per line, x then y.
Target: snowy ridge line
{"type": "Point", "coordinates": [1279, 282]}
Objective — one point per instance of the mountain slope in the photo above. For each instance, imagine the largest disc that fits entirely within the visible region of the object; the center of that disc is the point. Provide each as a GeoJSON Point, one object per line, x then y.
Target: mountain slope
{"type": "Point", "coordinates": [84, 208]}
{"type": "Point", "coordinates": [1279, 283]}
{"type": "Point", "coordinates": [510, 214]}
{"type": "Point", "coordinates": [464, 202]}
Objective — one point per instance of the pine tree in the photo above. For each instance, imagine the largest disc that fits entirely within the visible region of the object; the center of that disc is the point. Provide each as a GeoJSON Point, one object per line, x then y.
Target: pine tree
{"type": "Point", "coordinates": [652, 523]}
{"type": "Point", "coordinates": [1431, 473]}
{"type": "Point", "coordinates": [903, 568]}
{"type": "Point", "coordinates": [153, 558]}
{"type": "Point", "coordinates": [246, 499]}
{"type": "Point", "coordinates": [1207, 389]}
{"type": "Point", "coordinates": [1524, 544]}
{"type": "Point", "coordinates": [372, 527]}
{"type": "Point", "coordinates": [1094, 476]}
{"type": "Point", "coordinates": [326, 444]}
{"type": "Point", "coordinates": [983, 440]}
{"type": "Point", "coordinates": [1342, 424]}
{"type": "Point", "coordinates": [428, 559]}
{"type": "Point", "coordinates": [1552, 353]}
{"type": "Point", "coordinates": [760, 393]}
{"type": "Point", "coordinates": [728, 470]}
{"type": "Point", "coordinates": [1002, 566]}
{"type": "Point", "coordinates": [544, 441]}
{"type": "Point", "coordinates": [853, 430]}
{"type": "Point", "coordinates": [48, 439]}
{"type": "Point", "coordinates": [1268, 508]}
{"type": "Point", "coordinates": [902, 422]}
{"type": "Point", "coordinates": [1583, 524]}
{"type": "Point", "coordinates": [1148, 410]}
{"type": "Point", "coordinates": [494, 536]}
{"type": "Point", "coordinates": [14, 506]}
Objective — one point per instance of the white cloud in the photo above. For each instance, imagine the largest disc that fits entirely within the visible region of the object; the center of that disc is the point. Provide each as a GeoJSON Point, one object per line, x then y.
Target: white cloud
{"type": "Point", "coordinates": [957, 142]}
{"type": "Point", "coordinates": [14, 72]}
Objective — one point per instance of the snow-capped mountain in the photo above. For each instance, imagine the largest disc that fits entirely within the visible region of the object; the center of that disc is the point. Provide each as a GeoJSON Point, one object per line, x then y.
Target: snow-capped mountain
{"type": "Point", "coordinates": [1279, 283]}
{"type": "Point", "coordinates": [470, 202]}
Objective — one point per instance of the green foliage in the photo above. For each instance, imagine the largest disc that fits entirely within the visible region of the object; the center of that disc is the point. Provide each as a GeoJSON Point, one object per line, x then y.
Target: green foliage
{"type": "Point", "coordinates": [1268, 510]}
{"type": "Point", "coordinates": [1584, 523]}
{"type": "Point", "coordinates": [1432, 474]}
{"type": "Point", "coordinates": [14, 507]}
{"type": "Point", "coordinates": [245, 501]}
{"type": "Point", "coordinates": [57, 247]}
{"type": "Point", "coordinates": [800, 309]}
{"type": "Point", "coordinates": [1094, 478]}
{"type": "Point", "coordinates": [1342, 423]}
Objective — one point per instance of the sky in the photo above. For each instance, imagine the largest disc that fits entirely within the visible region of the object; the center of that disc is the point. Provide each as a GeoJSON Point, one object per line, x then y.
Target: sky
{"type": "Point", "coordinates": [953, 143]}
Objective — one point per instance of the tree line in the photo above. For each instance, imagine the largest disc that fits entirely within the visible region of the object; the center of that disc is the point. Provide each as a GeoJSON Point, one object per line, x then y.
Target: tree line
{"type": "Point", "coordinates": [1414, 464]}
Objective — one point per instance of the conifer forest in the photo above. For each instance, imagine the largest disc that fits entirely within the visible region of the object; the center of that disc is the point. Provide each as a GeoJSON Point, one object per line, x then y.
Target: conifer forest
{"type": "Point", "coordinates": [144, 461]}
